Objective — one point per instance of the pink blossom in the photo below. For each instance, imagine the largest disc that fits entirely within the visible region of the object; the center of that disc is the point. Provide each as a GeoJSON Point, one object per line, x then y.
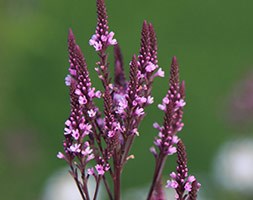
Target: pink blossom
{"type": "Point", "coordinates": [181, 103]}
{"type": "Point", "coordinates": [86, 151]}
{"type": "Point", "coordinates": [166, 100]}
{"type": "Point", "coordinates": [68, 80]}
{"type": "Point", "coordinates": [111, 134]}
{"type": "Point", "coordinates": [171, 150]}
{"type": "Point", "coordinates": [91, 113]}
{"type": "Point", "coordinates": [139, 111]}
{"type": "Point", "coordinates": [75, 134]}
{"type": "Point", "coordinates": [82, 100]}
{"type": "Point", "coordinates": [90, 171]}
{"type": "Point", "coordinates": [159, 73]}
{"type": "Point", "coordinates": [68, 122]}
{"type": "Point", "coordinates": [161, 107]}
{"type": "Point", "coordinates": [173, 175]}
{"type": "Point", "coordinates": [75, 148]}
{"type": "Point", "coordinates": [188, 186]}
{"type": "Point", "coordinates": [175, 139]}
{"type": "Point", "coordinates": [90, 157]}
{"type": "Point", "coordinates": [72, 72]}
{"type": "Point", "coordinates": [158, 142]}
{"type": "Point", "coordinates": [171, 184]}
{"type": "Point", "coordinates": [150, 100]}
{"type": "Point", "coordinates": [67, 131]}
{"type": "Point", "coordinates": [110, 39]}
{"type": "Point", "coordinates": [98, 94]}
{"type": "Point", "coordinates": [60, 155]}
{"type": "Point", "coordinates": [150, 67]}
{"type": "Point", "coordinates": [191, 179]}
{"type": "Point", "coordinates": [156, 126]}
{"type": "Point", "coordinates": [100, 169]}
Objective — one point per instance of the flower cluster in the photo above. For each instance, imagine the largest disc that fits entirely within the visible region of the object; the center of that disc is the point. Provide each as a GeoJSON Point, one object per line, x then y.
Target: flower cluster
{"type": "Point", "coordinates": [97, 143]}
{"type": "Point", "coordinates": [172, 105]}
{"type": "Point", "coordinates": [186, 186]}
{"type": "Point", "coordinates": [102, 38]}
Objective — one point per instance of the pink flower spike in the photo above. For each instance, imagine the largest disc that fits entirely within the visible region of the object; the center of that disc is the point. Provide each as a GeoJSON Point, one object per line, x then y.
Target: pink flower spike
{"type": "Point", "coordinates": [100, 169]}
{"type": "Point", "coordinates": [60, 155]}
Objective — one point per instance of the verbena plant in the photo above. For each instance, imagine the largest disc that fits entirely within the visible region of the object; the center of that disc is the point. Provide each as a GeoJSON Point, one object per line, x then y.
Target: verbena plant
{"type": "Point", "coordinates": [104, 138]}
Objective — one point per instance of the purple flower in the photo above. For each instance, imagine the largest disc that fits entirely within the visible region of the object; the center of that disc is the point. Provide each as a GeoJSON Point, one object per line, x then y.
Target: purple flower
{"type": "Point", "coordinates": [75, 148]}
{"type": "Point", "coordinates": [139, 111]}
{"type": "Point", "coordinates": [171, 184]}
{"type": "Point", "coordinates": [181, 182]}
{"type": "Point", "coordinates": [100, 169]}
{"type": "Point", "coordinates": [60, 155]}
{"type": "Point", "coordinates": [106, 137]}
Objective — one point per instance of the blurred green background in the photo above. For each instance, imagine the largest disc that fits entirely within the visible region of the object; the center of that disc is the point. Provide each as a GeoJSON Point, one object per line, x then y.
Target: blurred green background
{"type": "Point", "coordinates": [212, 40]}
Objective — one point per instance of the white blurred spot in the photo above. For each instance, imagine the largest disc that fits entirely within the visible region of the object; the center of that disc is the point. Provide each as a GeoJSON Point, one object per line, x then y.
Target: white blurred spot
{"type": "Point", "coordinates": [233, 166]}
{"type": "Point", "coordinates": [61, 186]}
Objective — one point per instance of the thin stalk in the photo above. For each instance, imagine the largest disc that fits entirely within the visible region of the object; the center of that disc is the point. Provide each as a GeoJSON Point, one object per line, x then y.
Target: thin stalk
{"type": "Point", "coordinates": [117, 173]}
{"type": "Point", "coordinates": [77, 182]}
{"type": "Point", "coordinates": [157, 174]}
{"type": "Point", "coordinates": [97, 188]}
{"type": "Point", "coordinates": [127, 149]}
{"type": "Point", "coordinates": [107, 188]}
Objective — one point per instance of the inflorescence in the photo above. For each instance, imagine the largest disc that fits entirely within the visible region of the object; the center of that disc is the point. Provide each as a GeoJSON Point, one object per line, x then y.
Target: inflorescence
{"type": "Point", "coordinates": [97, 143]}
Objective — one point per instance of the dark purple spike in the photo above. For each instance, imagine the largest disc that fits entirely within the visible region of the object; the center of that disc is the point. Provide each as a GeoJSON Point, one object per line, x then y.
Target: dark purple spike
{"type": "Point", "coordinates": [102, 23]}
{"type": "Point", "coordinates": [182, 89]}
{"type": "Point", "coordinates": [72, 54]}
{"type": "Point", "coordinates": [174, 73]}
{"type": "Point", "coordinates": [119, 75]}
{"type": "Point", "coordinates": [168, 119]}
{"type": "Point", "coordinates": [133, 85]}
{"type": "Point", "coordinates": [108, 108]}
{"type": "Point", "coordinates": [153, 45]}
{"type": "Point", "coordinates": [182, 169]}
{"type": "Point", "coordinates": [181, 153]}
{"type": "Point", "coordinates": [144, 56]}
{"type": "Point", "coordinates": [194, 191]}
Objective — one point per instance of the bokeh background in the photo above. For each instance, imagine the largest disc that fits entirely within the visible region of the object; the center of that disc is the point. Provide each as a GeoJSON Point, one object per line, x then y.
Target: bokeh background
{"type": "Point", "coordinates": [212, 40]}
